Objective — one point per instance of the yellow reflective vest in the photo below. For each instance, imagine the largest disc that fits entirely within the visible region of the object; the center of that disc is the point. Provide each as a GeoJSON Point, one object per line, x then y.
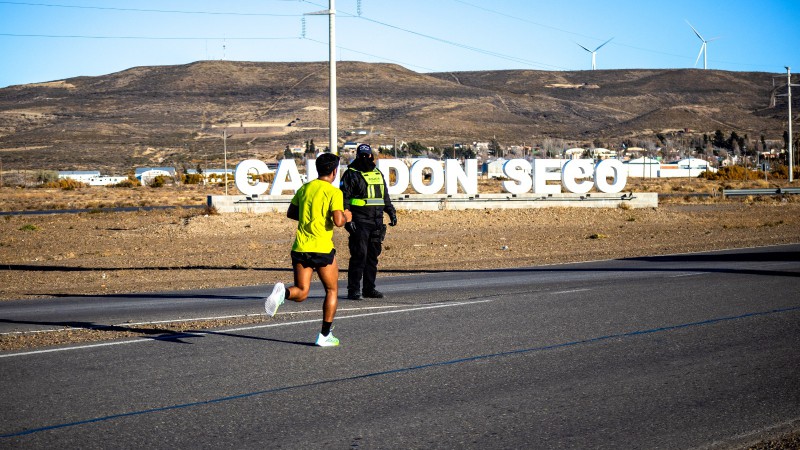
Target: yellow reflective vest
{"type": "Point", "coordinates": [375, 189]}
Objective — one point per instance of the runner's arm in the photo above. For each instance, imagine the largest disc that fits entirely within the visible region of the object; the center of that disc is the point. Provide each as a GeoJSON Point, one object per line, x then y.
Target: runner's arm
{"type": "Point", "coordinates": [342, 217]}
{"type": "Point", "coordinates": [293, 212]}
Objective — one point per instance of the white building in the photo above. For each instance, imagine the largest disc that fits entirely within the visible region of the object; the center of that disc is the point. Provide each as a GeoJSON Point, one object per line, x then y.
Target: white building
{"type": "Point", "coordinates": [574, 153]}
{"type": "Point", "coordinates": [494, 169]}
{"type": "Point", "coordinates": [81, 176]}
{"type": "Point", "coordinates": [643, 167]}
{"type": "Point", "coordinates": [146, 175]}
{"type": "Point", "coordinates": [603, 153]}
{"type": "Point", "coordinates": [689, 167]}
{"type": "Point", "coordinates": [90, 177]}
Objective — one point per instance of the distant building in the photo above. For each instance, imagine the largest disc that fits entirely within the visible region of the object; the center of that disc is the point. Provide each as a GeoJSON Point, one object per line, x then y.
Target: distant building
{"type": "Point", "coordinates": [146, 175]}
{"type": "Point", "coordinates": [90, 177]}
{"type": "Point", "coordinates": [689, 167]}
{"type": "Point", "coordinates": [81, 176]}
{"type": "Point", "coordinates": [643, 167]}
{"type": "Point", "coordinates": [350, 146]}
{"type": "Point", "coordinates": [494, 169]}
{"type": "Point", "coordinates": [574, 153]}
{"type": "Point", "coordinates": [603, 153]}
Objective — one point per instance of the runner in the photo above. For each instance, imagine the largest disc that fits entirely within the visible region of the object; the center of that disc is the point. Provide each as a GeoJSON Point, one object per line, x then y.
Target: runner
{"type": "Point", "coordinates": [318, 207]}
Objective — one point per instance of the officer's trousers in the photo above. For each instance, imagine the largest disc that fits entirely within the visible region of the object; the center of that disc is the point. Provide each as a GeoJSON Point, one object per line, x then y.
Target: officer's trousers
{"type": "Point", "coordinates": [365, 247]}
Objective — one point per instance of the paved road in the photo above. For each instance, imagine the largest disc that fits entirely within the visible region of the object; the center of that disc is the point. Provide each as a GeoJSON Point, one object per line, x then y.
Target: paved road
{"type": "Point", "coordinates": [667, 352]}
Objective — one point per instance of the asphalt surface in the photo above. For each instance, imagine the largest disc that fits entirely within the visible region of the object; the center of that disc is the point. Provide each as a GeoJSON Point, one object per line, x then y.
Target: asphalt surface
{"type": "Point", "coordinates": [684, 351]}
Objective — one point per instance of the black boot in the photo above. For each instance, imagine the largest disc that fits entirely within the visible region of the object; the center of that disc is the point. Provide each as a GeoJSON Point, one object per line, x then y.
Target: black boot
{"type": "Point", "coordinates": [374, 293]}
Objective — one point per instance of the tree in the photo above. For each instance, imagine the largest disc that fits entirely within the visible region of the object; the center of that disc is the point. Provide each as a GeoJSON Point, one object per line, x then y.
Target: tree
{"type": "Point", "coordinates": [552, 147]}
{"type": "Point", "coordinates": [494, 147]}
{"type": "Point", "coordinates": [416, 148]}
{"type": "Point", "coordinates": [719, 140]}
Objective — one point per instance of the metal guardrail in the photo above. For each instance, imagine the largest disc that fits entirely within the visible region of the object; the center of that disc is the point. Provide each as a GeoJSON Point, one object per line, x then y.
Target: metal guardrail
{"type": "Point", "coordinates": [768, 191]}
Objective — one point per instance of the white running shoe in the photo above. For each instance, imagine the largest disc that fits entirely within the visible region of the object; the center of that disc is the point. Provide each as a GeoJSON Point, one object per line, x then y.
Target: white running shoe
{"type": "Point", "coordinates": [327, 341]}
{"type": "Point", "coordinates": [275, 299]}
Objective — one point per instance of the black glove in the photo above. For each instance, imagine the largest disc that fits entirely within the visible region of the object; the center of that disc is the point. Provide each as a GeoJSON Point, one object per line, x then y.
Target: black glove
{"type": "Point", "coordinates": [350, 227]}
{"type": "Point", "coordinates": [392, 219]}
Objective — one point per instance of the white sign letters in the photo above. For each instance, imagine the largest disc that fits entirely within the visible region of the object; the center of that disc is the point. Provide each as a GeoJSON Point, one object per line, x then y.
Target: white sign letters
{"type": "Point", "coordinates": [428, 176]}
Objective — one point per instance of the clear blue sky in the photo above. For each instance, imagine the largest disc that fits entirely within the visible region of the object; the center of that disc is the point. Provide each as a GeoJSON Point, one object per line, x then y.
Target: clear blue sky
{"type": "Point", "coordinates": [46, 40]}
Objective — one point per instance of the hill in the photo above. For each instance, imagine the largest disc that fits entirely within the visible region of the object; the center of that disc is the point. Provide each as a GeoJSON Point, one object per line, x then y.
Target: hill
{"type": "Point", "coordinates": [174, 115]}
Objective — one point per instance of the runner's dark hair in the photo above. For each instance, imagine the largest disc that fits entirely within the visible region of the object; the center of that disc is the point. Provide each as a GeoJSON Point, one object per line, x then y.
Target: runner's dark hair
{"type": "Point", "coordinates": [326, 163]}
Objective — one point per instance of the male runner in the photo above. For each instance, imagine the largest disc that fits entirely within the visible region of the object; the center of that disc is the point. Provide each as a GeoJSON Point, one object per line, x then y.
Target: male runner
{"type": "Point", "coordinates": [318, 207]}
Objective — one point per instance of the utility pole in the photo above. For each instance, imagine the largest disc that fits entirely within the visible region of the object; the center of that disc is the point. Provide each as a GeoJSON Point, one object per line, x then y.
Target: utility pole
{"type": "Point", "coordinates": [331, 13]}
{"type": "Point", "coordinates": [225, 152]}
{"type": "Point", "coordinates": [789, 96]}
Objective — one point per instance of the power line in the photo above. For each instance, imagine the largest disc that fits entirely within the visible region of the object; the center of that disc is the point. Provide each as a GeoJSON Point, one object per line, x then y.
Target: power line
{"type": "Point", "coordinates": [146, 38]}
{"type": "Point", "coordinates": [456, 44]}
{"type": "Point", "coordinates": [374, 56]}
{"type": "Point", "coordinates": [166, 11]}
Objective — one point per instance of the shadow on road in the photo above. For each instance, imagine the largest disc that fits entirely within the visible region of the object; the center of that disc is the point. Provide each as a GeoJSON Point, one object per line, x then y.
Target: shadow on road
{"type": "Point", "coordinates": [159, 334]}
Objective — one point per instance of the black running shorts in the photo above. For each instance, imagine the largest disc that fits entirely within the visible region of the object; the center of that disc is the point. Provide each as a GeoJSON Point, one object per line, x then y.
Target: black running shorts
{"type": "Point", "coordinates": [313, 260]}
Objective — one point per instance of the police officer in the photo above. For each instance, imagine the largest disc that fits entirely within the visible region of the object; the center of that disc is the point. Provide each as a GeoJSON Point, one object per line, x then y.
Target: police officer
{"type": "Point", "coordinates": [365, 195]}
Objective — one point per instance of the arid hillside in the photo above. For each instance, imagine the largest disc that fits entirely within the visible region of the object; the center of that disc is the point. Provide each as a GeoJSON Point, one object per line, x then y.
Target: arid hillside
{"type": "Point", "coordinates": [174, 115]}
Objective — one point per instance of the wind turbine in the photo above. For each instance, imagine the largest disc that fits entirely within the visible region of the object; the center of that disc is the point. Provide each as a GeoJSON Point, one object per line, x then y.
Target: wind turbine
{"type": "Point", "coordinates": [703, 48]}
{"type": "Point", "coordinates": [594, 52]}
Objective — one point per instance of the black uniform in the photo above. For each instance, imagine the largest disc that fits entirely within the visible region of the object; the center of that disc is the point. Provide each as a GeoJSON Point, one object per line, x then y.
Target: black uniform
{"type": "Point", "coordinates": [365, 195]}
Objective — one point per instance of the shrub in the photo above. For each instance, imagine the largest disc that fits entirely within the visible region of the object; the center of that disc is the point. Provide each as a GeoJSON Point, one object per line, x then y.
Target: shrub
{"type": "Point", "coordinates": [29, 227]}
{"type": "Point", "coordinates": [782, 171]}
{"type": "Point", "coordinates": [66, 184]}
{"type": "Point", "coordinates": [157, 182]}
{"type": "Point", "coordinates": [731, 173]}
{"type": "Point", "coordinates": [194, 178]}
{"type": "Point", "coordinates": [132, 181]}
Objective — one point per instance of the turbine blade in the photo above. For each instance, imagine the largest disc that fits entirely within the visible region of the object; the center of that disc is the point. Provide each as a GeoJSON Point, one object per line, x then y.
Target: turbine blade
{"type": "Point", "coordinates": [604, 43]}
{"type": "Point", "coordinates": [579, 45]}
{"type": "Point", "coordinates": [702, 47]}
{"type": "Point", "coordinates": [695, 32]}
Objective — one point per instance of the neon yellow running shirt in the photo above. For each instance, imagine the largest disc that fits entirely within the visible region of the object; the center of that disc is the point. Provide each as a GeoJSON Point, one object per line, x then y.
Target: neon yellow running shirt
{"type": "Point", "coordinates": [316, 201]}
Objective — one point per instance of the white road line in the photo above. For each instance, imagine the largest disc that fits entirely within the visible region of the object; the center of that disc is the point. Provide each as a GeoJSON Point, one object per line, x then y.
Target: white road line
{"type": "Point", "coordinates": [253, 327]}
{"type": "Point", "coordinates": [680, 275]}
{"type": "Point", "coordinates": [570, 291]}
{"type": "Point", "coordinates": [196, 319]}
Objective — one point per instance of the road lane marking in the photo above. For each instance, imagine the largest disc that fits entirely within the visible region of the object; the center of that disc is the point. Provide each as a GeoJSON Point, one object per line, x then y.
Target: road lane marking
{"type": "Point", "coordinates": [197, 319]}
{"type": "Point", "coordinates": [571, 291]}
{"type": "Point", "coordinates": [198, 333]}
